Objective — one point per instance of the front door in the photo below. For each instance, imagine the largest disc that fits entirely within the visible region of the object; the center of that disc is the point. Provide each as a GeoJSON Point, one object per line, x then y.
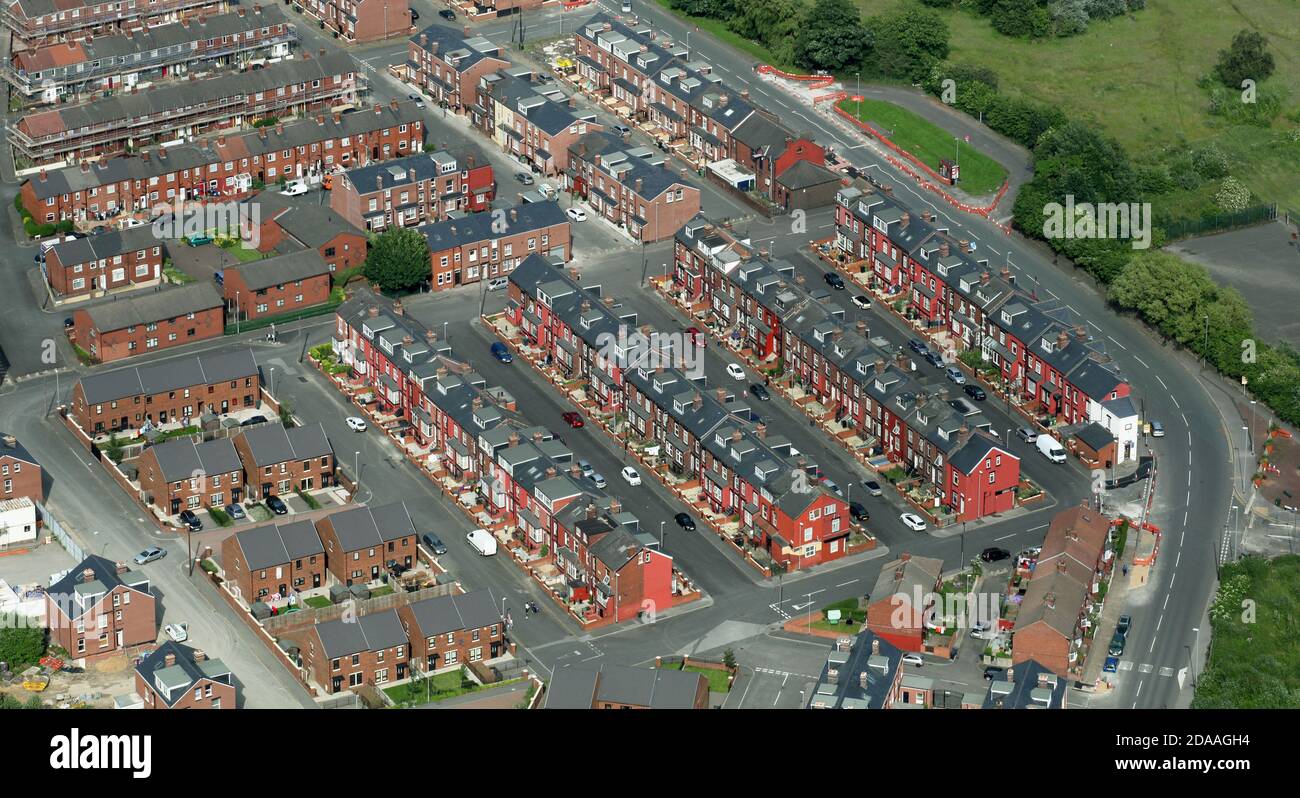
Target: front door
{"type": "Point", "coordinates": [336, 684]}
{"type": "Point", "coordinates": [315, 580]}
{"type": "Point", "coordinates": [374, 572]}
{"type": "Point", "coordinates": [176, 506]}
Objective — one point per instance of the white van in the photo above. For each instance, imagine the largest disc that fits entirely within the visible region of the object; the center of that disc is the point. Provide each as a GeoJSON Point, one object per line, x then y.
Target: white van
{"type": "Point", "coordinates": [483, 542]}
{"type": "Point", "coordinates": [1051, 448]}
{"type": "Point", "coordinates": [497, 283]}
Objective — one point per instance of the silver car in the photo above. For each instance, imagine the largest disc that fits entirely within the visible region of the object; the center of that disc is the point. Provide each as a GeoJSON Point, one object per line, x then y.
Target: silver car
{"type": "Point", "coordinates": [955, 375]}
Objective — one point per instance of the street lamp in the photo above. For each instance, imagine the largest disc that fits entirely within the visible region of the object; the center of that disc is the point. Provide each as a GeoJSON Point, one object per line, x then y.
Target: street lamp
{"type": "Point", "coordinates": [272, 376]}
{"type": "Point", "coordinates": [1191, 661]}
{"type": "Point", "coordinates": [661, 535]}
{"type": "Point", "coordinates": [356, 472]}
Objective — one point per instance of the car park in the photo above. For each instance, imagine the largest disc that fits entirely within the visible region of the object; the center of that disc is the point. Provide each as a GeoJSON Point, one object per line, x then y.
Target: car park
{"type": "Point", "coordinates": [189, 519]}
{"type": "Point", "coordinates": [573, 419]}
{"type": "Point", "coordinates": [873, 487]}
{"type": "Point", "coordinates": [913, 659]}
{"type": "Point", "coordinates": [861, 301]}
{"type": "Point", "coordinates": [356, 423]}
{"type": "Point", "coordinates": [630, 475]}
{"type": "Point", "coordinates": [685, 521]}
{"type": "Point", "coordinates": [1027, 434]}
{"type": "Point", "coordinates": [434, 543]}
{"type": "Point", "coordinates": [760, 393]}
{"type": "Point", "coordinates": [975, 392]}
{"type": "Point", "coordinates": [913, 522]}
{"type": "Point", "coordinates": [994, 554]}
{"type": "Point", "coordinates": [735, 371]}
{"type": "Point", "coordinates": [235, 511]}
{"type": "Point", "coordinates": [277, 505]}
{"type": "Point", "coordinates": [576, 214]}
{"type": "Point", "coordinates": [502, 352]}
{"type": "Point", "coordinates": [149, 555]}
{"type": "Point", "coordinates": [955, 375]}
{"type": "Point", "coordinates": [180, 632]}
{"type": "Point", "coordinates": [834, 280]}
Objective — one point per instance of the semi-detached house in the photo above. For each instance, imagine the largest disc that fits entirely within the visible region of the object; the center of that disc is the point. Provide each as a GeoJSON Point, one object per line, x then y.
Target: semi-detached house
{"type": "Point", "coordinates": [181, 475]}
{"type": "Point", "coordinates": [279, 461]}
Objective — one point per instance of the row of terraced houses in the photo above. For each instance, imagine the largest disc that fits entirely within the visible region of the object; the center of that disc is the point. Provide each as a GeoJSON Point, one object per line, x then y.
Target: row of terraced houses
{"type": "Point", "coordinates": [523, 473]}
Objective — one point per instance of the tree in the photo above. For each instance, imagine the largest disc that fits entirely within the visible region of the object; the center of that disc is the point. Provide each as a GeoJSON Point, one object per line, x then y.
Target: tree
{"type": "Point", "coordinates": [729, 659]}
{"type": "Point", "coordinates": [21, 643]}
{"type": "Point", "coordinates": [832, 36]}
{"type": "Point", "coordinates": [398, 260]}
{"type": "Point", "coordinates": [1020, 18]}
{"type": "Point", "coordinates": [775, 23]}
{"type": "Point", "coordinates": [918, 39]}
{"type": "Point", "coordinates": [1247, 58]}
{"type": "Point", "coordinates": [713, 9]}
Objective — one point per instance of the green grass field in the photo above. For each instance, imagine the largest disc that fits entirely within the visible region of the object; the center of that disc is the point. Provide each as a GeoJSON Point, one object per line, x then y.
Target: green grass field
{"type": "Point", "coordinates": [980, 174]}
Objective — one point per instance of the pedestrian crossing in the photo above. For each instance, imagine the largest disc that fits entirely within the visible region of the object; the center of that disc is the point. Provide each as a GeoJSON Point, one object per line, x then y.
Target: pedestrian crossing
{"type": "Point", "coordinates": [1145, 668]}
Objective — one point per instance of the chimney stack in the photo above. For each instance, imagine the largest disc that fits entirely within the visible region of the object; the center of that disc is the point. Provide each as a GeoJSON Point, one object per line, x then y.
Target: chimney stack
{"type": "Point", "coordinates": [1062, 339]}
{"type": "Point", "coordinates": [169, 660]}
{"type": "Point", "coordinates": [720, 394]}
{"type": "Point", "coordinates": [985, 277]}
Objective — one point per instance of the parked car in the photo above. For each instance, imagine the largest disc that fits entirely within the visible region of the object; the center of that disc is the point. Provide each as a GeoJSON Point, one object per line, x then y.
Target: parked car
{"type": "Point", "coordinates": [994, 554]}
{"type": "Point", "coordinates": [934, 359]}
{"type": "Point", "coordinates": [1125, 623]}
{"type": "Point", "coordinates": [861, 301]}
{"type": "Point", "coordinates": [68, 322]}
{"type": "Point", "coordinates": [356, 423]}
{"type": "Point", "coordinates": [415, 15]}
{"type": "Point", "coordinates": [599, 480]}
{"type": "Point", "coordinates": [1027, 434]}
{"type": "Point", "coordinates": [189, 519]}
{"type": "Point", "coordinates": [235, 511]}
{"type": "Point", "coordinates": [572, 418]}
{"type": "Point", "coordinates": [630, 476]}
{"type": "Point", "coordinates": [735, 371]}
{"type": "Point", "coordinates": [396, 568]}
{"type": "Point", "coordinates": [251, 420]}
{"type": "Point", "coordinates": [621, 128]}
{"type": "Point", "coordinates": [975, 392]}
{"type": "Point", "coordinates": [918, 346]}
{"type": "Point", "coordinates": [434, 543]}
{"type": "Point", "coordinates": [913, 522]}
{"type": "Point", "coordinates": [993, 672]}
{"type": "Point", "coordinates": [502, 352]}
{"type": "Point", "coordinates": [277, 505]}
{"type": "Point", "coordinates": [913, 659]}
{"type": "Point", "coordinates": [873, 487]}
{"type": "Point", "coordinates": [576, 214]}
{"type": "Point", "coordinates": [419, 101]}
{"type": "Point", "coordinates": [1111, 665]}
{"type": "Point", "coordinates": [1117, 643]}
{"type": "Point", "coordinates": [760, 393]}
{"type": "Point", "coordinates": [830, 485]}
{"type": "Point", "coordinates": [524, 177]}
{"type": "Point", "coordinates": [685, 521]}
{"type": "Point", "coordinates": [294, 189]}
{"type": "Point", "coordinates": [834, 280]}
{"type": "Point", "coordinates": [497, 283]}
{"type": "Point", "coordinates": [447, 13]}
{"type": "Point", "coordinates": [180, 632]}
{"type": "Point", "coordinates": [586, 468]}
{"type": "Point", "coordinates": [1157, 429]}
{"type": "Point", "coordinates": [858, 513]}
{"type": "Point", "coordinates": [149, 555]}
{"type": "Point", "coordinates": [955, 375]}
{"type": "Point", "coordinates": [198, 241]}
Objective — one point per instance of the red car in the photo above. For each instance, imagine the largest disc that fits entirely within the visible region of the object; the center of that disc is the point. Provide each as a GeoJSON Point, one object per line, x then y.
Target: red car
{"type": "Point", "coordinates": [697, 337]}
{"type": "Point", "coordinates": [573, 419]}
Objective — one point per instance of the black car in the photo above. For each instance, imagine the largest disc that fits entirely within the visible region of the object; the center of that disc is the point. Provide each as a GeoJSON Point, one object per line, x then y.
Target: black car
{"type": "Point", "coordinates": [975, 392]}
{"type": "Point", "coordinates": [958, 405]}
{"type": "Point", "coordinates": [918, 346]}
{"type": "Point", "coordinates": [191, 520]}
{"type": "Point", "coordinates": [991, 673]}
{"type": "Point", "coordinates": [277, 505]}
{"type": "Point", "coordinates": [434, 543]}
{"type": "Point", "coordinates": [414, 14]}
{"type": "Point", "coordinates": [934, 359]}
{"type": "Point", "coordinates": [447, 13]}
{"type": "Point", "coordinates": [760, 393]}
{"type": "Point", "coordinates": [67, 322]}
{"type": "Point", "coordinates": [835, 281]}
{"type": "Point", "coordinates": [852, 171]}
{"type": "Point", "coordinates": [993, 554]}
{"type": "Point", "coordinates": [396, 568]}
{"type": "Point", "coordinates": [685, 521]}
{"type": "Point", "coordinates": [857, 512]}
{"type": "Point", "coordinates": [251, 420]}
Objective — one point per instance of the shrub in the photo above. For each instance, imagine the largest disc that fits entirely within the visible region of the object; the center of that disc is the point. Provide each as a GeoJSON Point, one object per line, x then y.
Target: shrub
{"type": "Point", "coordinates": [1233, 195]}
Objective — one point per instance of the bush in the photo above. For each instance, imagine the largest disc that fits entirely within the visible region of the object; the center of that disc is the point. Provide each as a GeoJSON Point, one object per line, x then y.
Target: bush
{"type": "Point", "coordinates": [220, 516]}
{"type": "Point", "coordinates": [1210, 162]}
{"type": "Point", "coordinates": [1232, 195]}
{"type": "Point", "coordinates": [20, 645]}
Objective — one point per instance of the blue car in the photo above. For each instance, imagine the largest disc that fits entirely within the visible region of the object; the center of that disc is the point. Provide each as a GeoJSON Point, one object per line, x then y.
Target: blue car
{"type": "Point", "coordinates": [1111, 665]}
{"type": "Point", "coordinates": [502, 352]}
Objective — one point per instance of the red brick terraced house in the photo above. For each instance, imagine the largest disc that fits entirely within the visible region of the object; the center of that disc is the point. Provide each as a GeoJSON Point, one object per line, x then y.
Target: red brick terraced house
{"type": "Point", "coordinates": [624, 687]}
{"type": "Point", "coordinates": [174, 676]}
{"type": "Point", "coordinates": [1053, 616]}
{"type": "Point", "coordinates": [224, 165]}
{"type": "Point", "coordinates": [274, 560]}
{"type": "Point", "coordinates": [341, 245]}
{"type": "Point", "coordinates": [415, 190]}
{"type": "Point", "coordinates": [152, 322]}
{"type": "Point", "coordinates": [898, 608]}
{"type": "Point", "coordinates": [532, 122]}
{"type": "Point", "coordinates": [279, 461]}
{"type": "Point", "coordinates": [77, 67]}
{"type": "Point", "coordinates": [450, 631]}
{"type": "Point", "coordinates": [111, 261]}
{"type": "Point", "coordinates": [20, 474]}
{"type": "Point", "coordinates": [867, 672]}
{"type": "Point", "coordinates": [111, 126]}
{"type": "Point", "coordinates": [621, 571]}
{"type": "Point", "coordinates": [475, 247]}
{"type": "Point", "coordinates": [630, 187]}
{"type": "Point", "coordinates": [100, 608]}
{"type": "Point", "coordinates": [124, 399]}
{"type": "Point", "coordinates": [447, 64]}
{"type": "Point", "coordinates": [34, 22]}
{"type": "Point", "coordinates": [347, 653]}
{"type": "Point", "coordinates": [360, 21]}
{"type": "Point", "coordinates": [181, 475]}
{"type": "Point", "coordinates": [278, 285]}
{"type": "Point", "coordinates": [360, 542]}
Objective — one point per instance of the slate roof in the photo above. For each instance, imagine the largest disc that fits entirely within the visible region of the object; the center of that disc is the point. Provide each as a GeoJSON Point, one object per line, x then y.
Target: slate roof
{"type": "Point", "coordinates": [905, 574]}
{"type": "Point", "coordinates": [969, 455]}
{"type": "Point", "coordinates": [374, 632]}
{"type": "Point", "coordinates": [442, 614]}
{"type": "Point", "coordinates": [475, 227]}
{"type": "Point", "coordinates": [272, 443]}
{"type": "Point", "coordinates": [871, 655]}
{"type": "Point", "coordinates": [615, 156]}
{"type": "Point", "coordinates": [276, 544]}
{"type": "Point", "coordinates": [125, 310]}
{"type": "Point", "coordinates": [313, 225]}
{"type": "Point", "coordinates": [544, 113]}
{"type": "Point", "coordinates": [451, 45]}
{"type": "Point", "coordinates": [574, 687]}
{"type": "Point", "coordinates": [76, 594]}
{"type": "Point", "coordinates": [169, 375]}
{"type": "Point", "coordinates": [1095, 436]}
{"type": "Point", "coordinates": [805, 174]}
{"type": "Point", "coordinates": [106, 245]}
{"type": "Point", "coordinates": [363, 527]}
{"type": "Point", "coordinates": [283, 269]}
{"type": "Point", "coordinates": [173, 682]}
{"type": "Point", "coordinates": [15, 449]}
{"type": "Point", "coordinates": [181, 458]}
{"type": "Point", "coordinates": [1033, 687]}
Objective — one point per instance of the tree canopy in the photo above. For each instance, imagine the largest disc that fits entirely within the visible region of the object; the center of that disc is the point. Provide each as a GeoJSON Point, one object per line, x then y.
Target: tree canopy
{"type": "Point", "coordinates": [917, 37]}
{"type": "Point", "coordinates": [398, 260]}
{"type": "Point", "coordinates": [832, 37]}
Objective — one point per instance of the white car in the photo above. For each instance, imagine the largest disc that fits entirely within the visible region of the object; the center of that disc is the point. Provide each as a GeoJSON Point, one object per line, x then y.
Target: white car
{"type": "Point", "coordinates": [180, 632]}
{"type": "Point", "coordinates": [913, 659]}
{"type": "Point", "coordinates": [735, 371]}
{"type": "Point", "coordinates": [356, 424]}
{"type": "Point", "coordinates": [861, 301]}
{"type": "Point", "coordinates": [630, 476]}
{"type": "Point", "coordinates": [913, 522]}
{"type": "Point", "coordinates": [576, 214]}
{"type": "Point", "coordinates": [294, 189]}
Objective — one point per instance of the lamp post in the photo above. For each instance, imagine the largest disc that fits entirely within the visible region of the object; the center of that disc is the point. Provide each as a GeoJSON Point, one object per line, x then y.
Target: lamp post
{"type": "Point", "coordinates": [236, 313]}
{"type": "Point", "coordinates": [661, 535]}
{"type": "Point", "coordinates": [356, 472]}
{"type": "Point", "coordinates": [272, 376]}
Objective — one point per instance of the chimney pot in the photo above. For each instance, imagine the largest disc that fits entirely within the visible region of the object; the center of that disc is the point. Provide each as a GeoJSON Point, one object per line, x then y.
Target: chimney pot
{"type": "Point", "coordinates": [169, 660]}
